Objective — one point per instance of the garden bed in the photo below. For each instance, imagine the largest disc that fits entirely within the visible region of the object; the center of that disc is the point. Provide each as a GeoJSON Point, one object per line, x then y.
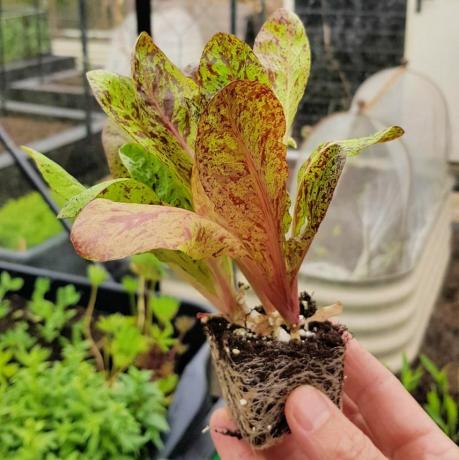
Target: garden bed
{"type": "Point", "coordinates": [36, 128]}
{"type": "Point", "coordinates": [63, 89]}
{"type": "Point", "coordinates": [40, 338]}
{"type": "Point", "coordinates": [442, 336]}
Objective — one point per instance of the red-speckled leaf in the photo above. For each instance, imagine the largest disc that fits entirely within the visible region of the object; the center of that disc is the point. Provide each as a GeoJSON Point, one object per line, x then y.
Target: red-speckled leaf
{"type": "Point", "coordinates": [283, 48]}
{"type": "Point", "coordinates": [106, 230]}
{"type": "Point", "coordinates": [208, 276]}
{"type": "Point", "coordinates": [226, 58]}
{"type": "Point", "coordinates": [241, 163]}
{"type": "Point", "coordinates": [168, 93]}
{"type": "Point", "coordinates": [122, 190]}
{"type": "Point", "coordinates": [118, 98]}
{"type": "Point", "coordinates": [317, 179]}
{"type": "Point", "coordinates": [112, 139]}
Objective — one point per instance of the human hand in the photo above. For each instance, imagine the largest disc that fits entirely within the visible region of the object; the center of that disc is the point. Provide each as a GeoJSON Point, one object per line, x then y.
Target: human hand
{"type": "Point", "coordinates": [380, 420]}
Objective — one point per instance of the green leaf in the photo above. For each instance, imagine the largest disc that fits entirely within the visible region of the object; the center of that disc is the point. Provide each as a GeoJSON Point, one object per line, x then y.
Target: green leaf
{"type": "Point", "coordinates": [451, 410]}
{"type": "Point", "coordinates": [97, 275]}
{"type": "Point", "coordinates": [283, 49]}
{"type": "Point", "coordinates": [164, 308]}
{"type": "Point", "coordinates": [168, 93]}
{"type": "Point", "coordinates": [225, 59]}
{"type": "Point", "coordinates": [242, 167]}
{"type": "Point", "coordinates": [59, 180]}
{"type": "Point", "coordinates": [149, 170]}
{"type": "Point", "coordinates": [118, 98]}
{"type": "Point", "coordinates": [410, 378]}
{"type": "Point", "coordinates": [316, 183]}
{"type": "Point", "coordinates": [148, 266]}
{"type": "Point", "coordinates": [440, 378]}
{"type": "Point", "coordinates": [67, 296]}
{"type": "Point", "coordinates": [130, 284]}
{"type": "Point", "coordinates": [120, 190]}
{"type": "Point", "coordinates": [34, 357]}
{"type": "Point", "coordinates": [125, 341]}
{"type": "Point", "coordinates": [112, 140]}
{"type": "Point", "coordinates": [105, 230]}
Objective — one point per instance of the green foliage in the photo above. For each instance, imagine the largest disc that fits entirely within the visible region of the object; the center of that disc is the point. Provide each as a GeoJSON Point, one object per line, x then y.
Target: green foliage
{"type": "Point", "coordinates": [410, 378]}
{"type": "Point", "coordinates": [150, 171]}
{"type": "Point", "coordinates": [97, 275]}
{"type": "Point", "coordinates": [24, 26]}
{"type": "Point", "coordinates": [51, 317]}
{"type": "Point", "coordinates": [26, 222]}
{"type": "Point", "coordinates": [164, 308]}
{"type": "Point", "coordinates": [17, 338]}
{"type": "Point", "coordinates": [123, 340]}
{"type": "Point", "coordinates": [130, 284]}
{"type": "Point", "coordinates": [7, 284]}
{"type": "Point", "coordinates": [148, 266]}
{"type": "Point", "coordinates": [68, 409]}
{"type": "Point", "coordinates": [145, 400]}
{"type": "Point", "coordinates": [440, 405]}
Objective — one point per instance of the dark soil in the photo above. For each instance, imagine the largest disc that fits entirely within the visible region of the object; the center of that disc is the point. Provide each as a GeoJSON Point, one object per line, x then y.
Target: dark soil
{"type": "Point", "coordinates": [268, 370]}
{"type": "Point", "coordinates": [441, 342]}
{"type": "Point", "coordinates": [24, 130]}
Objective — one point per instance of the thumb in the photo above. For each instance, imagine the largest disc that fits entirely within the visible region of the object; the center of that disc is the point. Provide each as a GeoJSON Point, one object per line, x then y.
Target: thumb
{"type": "Point", "coordinates": [323, 432]}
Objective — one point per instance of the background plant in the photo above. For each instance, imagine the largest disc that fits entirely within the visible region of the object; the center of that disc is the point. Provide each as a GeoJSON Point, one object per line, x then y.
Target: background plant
{"type": "Point", "coordinates": [56, 403]}
{"type": "Point", "coordinates": [439, 403]}
{"type": "Point", "coordinates": [26, 222]}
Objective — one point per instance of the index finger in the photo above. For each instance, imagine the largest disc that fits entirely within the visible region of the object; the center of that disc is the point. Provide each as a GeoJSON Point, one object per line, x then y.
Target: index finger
{"type": "Point", "coordinates": [398, 425]}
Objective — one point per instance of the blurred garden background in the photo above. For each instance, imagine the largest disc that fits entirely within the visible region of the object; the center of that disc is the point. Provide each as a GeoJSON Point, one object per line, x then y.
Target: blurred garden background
{"type": "Point", "coordinates": [388, 249]}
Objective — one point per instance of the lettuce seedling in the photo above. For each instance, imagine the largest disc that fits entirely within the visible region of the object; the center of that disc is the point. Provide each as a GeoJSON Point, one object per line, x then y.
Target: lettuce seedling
{"type": "Point", "coordinates": [238, 176]}
{"type": "Point", "coordinates": [206, 154]}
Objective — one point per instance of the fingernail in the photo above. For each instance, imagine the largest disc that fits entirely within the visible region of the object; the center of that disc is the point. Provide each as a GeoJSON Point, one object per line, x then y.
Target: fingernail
{"type": "Point", "coordinates": [310, 408]}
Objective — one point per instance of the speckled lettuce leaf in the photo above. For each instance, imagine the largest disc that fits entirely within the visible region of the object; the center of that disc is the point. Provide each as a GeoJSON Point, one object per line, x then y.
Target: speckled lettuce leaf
{"type": "Point", "coordinates": [149, 170]}
{"type": "Point", "coordinates": [118, 98]}
{"type": "Point", "coordinates": [168, 93]}
{"type": "Point", "coordinates": [283, 49]}
{"type": "Point", "coordinates": [316, 182]}
{"type": "Point", "coordinates": [224, 59]}
{"type": "Point", "coordinates": [63, 184]}
{"type": "Point", "coordinates": [105, 230]}
{"type": "Point", "coordinates": [120, 190]}
{"type": "Point", "coordinates": [112, 139]}
{"type": "Point", "coordinates": [242, 168]}
{"type": "Point", "coordinates": [207, 276]}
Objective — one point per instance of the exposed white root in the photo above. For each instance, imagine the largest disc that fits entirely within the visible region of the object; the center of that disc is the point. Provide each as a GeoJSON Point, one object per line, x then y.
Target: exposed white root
{"type": "Point", "coordinates": [325, 313]}
{"type": "Point", "coordinates": [281, 335]}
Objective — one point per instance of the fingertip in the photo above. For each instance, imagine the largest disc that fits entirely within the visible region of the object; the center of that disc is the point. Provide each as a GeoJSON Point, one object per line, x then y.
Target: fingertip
{"type": "Point", "coordinates": [221, 419]}
{"type": "Point", "coordinates": [223, 432]}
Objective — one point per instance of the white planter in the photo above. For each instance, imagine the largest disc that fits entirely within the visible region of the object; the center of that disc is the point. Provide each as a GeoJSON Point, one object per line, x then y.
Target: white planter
{"type": "Point", "coordinates": [390, 317]}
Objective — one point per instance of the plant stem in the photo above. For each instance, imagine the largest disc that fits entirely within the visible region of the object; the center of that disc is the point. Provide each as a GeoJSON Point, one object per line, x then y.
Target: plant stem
{"type": "Point", "coordinates": [141, 309]}
{"type": "Point", "coordinates": [87, 329]}
{"type": "Point", "coordinates": [132, 303]}
{"type": "Point", "coordinates": [149, 313]}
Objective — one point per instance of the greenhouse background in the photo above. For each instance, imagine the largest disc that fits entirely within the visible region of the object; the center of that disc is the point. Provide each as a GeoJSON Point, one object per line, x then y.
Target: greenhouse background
{"type": "Point", "coordinates": [389, 246]}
